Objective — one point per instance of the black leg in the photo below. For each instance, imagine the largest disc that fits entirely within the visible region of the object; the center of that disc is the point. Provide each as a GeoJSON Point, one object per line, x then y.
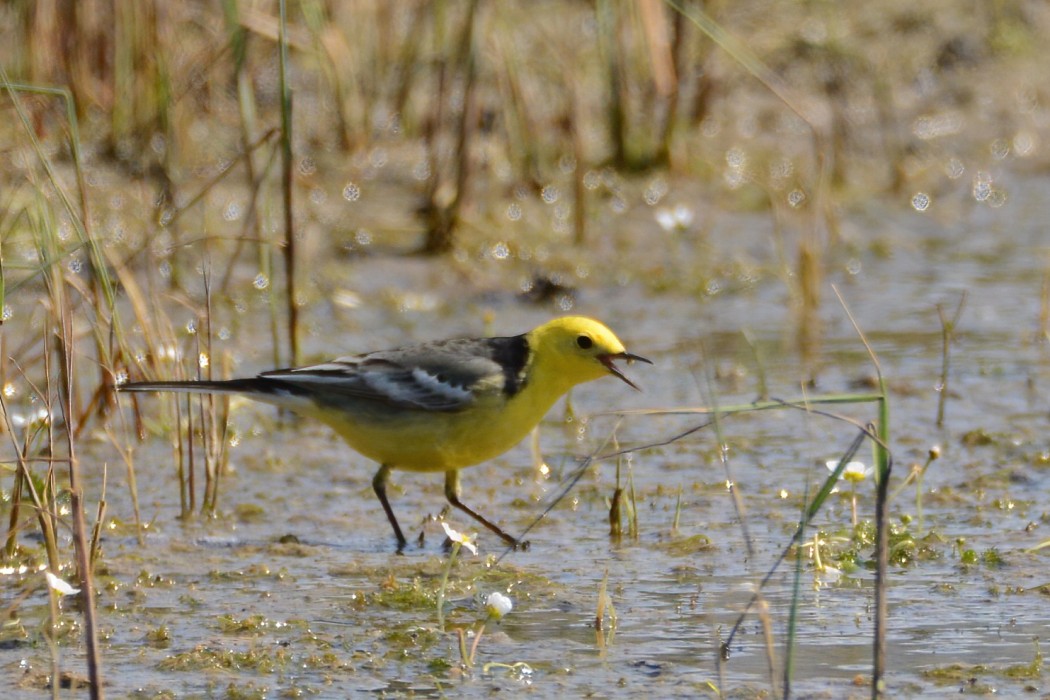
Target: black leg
{"type": "Point", "coordinates": [379, 486]}
{"type": "Point", "coordinates": [452, 494]}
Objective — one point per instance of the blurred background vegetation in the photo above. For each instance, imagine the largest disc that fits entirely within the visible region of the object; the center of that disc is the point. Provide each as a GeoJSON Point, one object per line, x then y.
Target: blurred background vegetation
{"type": "Point", "coordinates": [462, 116]}
{"type": "Point", "coordinates": [460, 100]}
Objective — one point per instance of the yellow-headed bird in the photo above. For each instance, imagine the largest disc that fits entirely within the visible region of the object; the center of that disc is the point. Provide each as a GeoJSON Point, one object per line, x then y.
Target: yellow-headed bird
{"type": "Point", "coordinates": [437, 406]}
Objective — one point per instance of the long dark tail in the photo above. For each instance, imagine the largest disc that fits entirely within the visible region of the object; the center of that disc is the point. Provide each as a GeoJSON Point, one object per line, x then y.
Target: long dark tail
{"type": "Point", "coordinates": [230, 386]}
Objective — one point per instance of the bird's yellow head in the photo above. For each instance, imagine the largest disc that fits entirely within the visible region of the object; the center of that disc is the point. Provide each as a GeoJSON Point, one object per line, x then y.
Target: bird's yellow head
{"type": "Point", "coordinates": [575, 349]}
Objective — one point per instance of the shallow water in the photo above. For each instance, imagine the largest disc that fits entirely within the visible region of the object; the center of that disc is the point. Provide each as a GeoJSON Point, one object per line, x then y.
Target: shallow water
{"type": "Point", "coordinates": [319, 617]}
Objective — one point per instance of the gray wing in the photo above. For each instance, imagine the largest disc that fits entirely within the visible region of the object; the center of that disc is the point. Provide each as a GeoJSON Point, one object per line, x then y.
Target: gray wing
{"type": "Point", "coordinates": [444, 376]}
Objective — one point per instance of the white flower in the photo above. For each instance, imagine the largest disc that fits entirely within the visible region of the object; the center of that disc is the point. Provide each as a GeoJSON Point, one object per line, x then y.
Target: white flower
{"type": "Point", "coordinates": [665, 218]}
{"type": "Point", "coordinates": [59, 586]}
{"type": "Point", "coordinates": [677, 219]}
{"type": "Point", "coordinates": [855, 472]}
{"type": "Point", "coordinates": [497, 605]}
{"type": "Point", "coordinates": [460, 538]}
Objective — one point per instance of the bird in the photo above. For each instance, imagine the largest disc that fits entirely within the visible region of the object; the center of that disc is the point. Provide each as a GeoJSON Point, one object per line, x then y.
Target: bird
{"type": "Point", "coordinates": [436, 406]}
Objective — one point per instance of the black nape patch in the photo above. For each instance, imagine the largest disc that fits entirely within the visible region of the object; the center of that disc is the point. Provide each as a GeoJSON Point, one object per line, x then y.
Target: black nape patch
{"type": "Point", "coordinates": [512, 354]}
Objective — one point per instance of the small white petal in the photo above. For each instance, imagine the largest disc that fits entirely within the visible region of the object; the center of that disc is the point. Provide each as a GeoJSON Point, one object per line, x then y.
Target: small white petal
{"type": "Point", "coordinates": [665, 218]}
{"type": "Point", "coordinates": [498, 605]}
{"type": "Point", "coordinates": [683, 216]}
{"type": "Point", "coordinates": [59, 586]}
{"type": "Point", "coordinates": [452, 534]}
{"type": "Point", "coordinates": [459, 538]}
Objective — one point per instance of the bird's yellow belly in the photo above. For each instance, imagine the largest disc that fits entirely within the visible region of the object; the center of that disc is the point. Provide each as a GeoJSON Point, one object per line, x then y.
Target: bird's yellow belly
{"type": "Point", "coordinates": [434, 441]}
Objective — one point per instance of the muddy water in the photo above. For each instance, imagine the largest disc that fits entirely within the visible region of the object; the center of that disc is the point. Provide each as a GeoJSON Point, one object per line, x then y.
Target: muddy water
{"type": "Point", "coordinates": [214, 607]}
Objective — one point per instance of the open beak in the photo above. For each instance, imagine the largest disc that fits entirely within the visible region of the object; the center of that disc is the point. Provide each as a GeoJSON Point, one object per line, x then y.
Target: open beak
{"type": "Point", "coordinates": [609, 362]}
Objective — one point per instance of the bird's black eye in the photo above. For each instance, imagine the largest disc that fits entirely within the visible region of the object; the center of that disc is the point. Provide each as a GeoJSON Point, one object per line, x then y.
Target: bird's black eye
{"type": "Point", "coordinates": [584, 342]}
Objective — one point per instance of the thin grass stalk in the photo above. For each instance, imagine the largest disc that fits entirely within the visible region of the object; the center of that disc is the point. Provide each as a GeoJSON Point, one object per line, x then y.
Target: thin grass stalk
{"type": "Point", "coordinates": [885, 463]}
{"type": "Point", "coordinates": [474, 646]}
{"type": "Point", "coordinates": [11, 539]}
{"type": "Point", "coordinates": [760, 366]}
{"type": "Point", "coordinates": [126, 456]}
{"type": "Point", "coordinates": [209, 415]}
{"type": "Point", "coordinates": [796, 599]}
{"type": "Point", "coordinates": [947, 334]}
{"type": "Point", "coordinates": [218, 422]}
{"type": "Point", "coordinates": [809, 273]}
{"type": "Point", "coordinates": [221, 455]}
{"type": "Point", "coordinates": [266, 267]}
{"type": "Point", "coordinates": [52, 641]}
{"type": "Point", "coordinates": [766, 620]}
{"type": "Point", "coordinates": [180, 461]}
{"type": "Point", "coordinates": [805, 403]}
{"type": "Point", "coordinates": [95, 548]}
{"type": "Point", "coordinates": [50, 485]}
{"type": "Point", "coordinates": [291, 305]}
{"type": "Point", "coordinates": [191, 454]}
{"type": "Point", "coordinates": [461, 634]}
{"type": "Point", "coordinates": [453, 552]}
{"type": "Point", "coordinates": [206, 412]}
{"type": "Point", "coordinates": [632, 504]}
{"type": "Point", "coordinates": [721, 660]}
{"type": "Point", "coordinates": [605, 607]}
{"type": "Point", "coordinates": [81, 549]}
{"type": "Point", "coordinates": [599, 615]}
{"type": "Point", "coordinates": [934, 453]}
{"type": "Point", "coordinates": [723, 456]}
